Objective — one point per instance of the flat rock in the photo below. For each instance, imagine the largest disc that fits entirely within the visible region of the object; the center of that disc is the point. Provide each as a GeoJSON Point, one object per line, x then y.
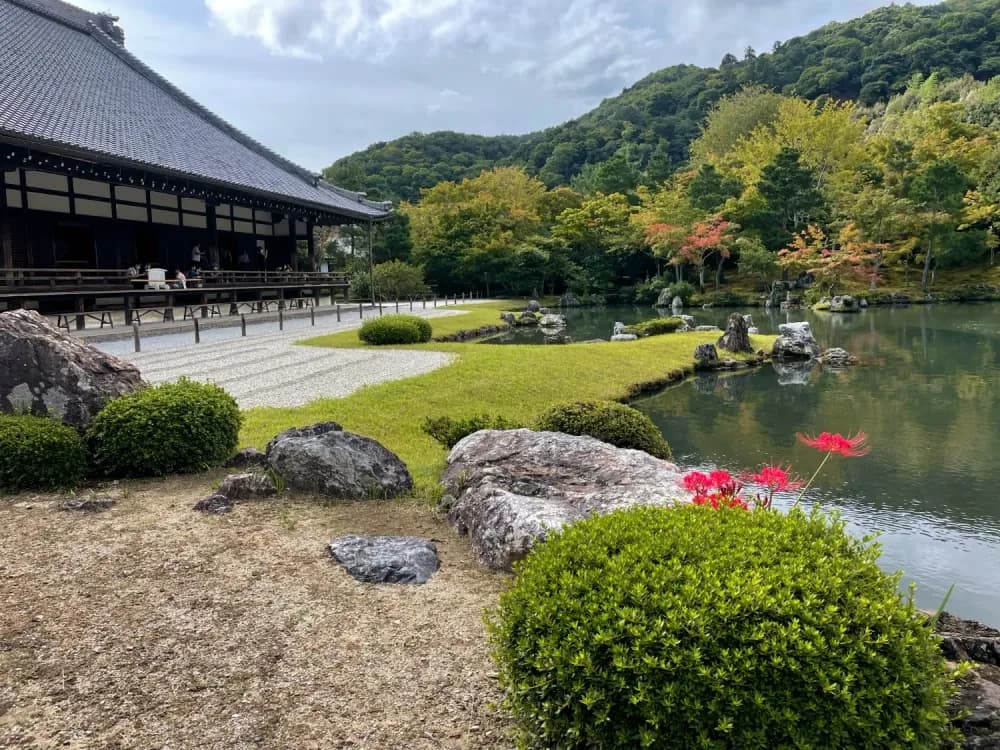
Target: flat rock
{"type": "Point", "coordinates": [214, 503]}
{"type": "Point", "coordinates": [386, 559]}
{"type": "Point", "coordinates": [837, 357]}
{"type": "Point", "coordinates": [624, 337]}
{"type": "Point", "coordinates": [339, 464]}
{"type": "Point", "coordinates": [249, 486]}
{"type": "Point", "coordinates": [47, 371]}
{"type": "Point", "coordinates": [89, 504]}
{"type": "Point", "coordinates": [514, 487]}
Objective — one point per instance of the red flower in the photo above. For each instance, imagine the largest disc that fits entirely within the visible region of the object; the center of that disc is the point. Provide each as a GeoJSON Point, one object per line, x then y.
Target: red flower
{"type": "Point", "coordinates": [836, 443]}
{"type": "Point", "coordinates": [696, 481]}
{"type": "Point", "coordinates": [774, 478]}
{"type": "Point", "coordinates": [721, 479]}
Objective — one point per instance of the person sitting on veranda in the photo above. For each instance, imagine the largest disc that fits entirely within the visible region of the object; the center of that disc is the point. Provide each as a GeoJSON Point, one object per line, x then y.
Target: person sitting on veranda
{"type": "Point", "coordinates": [180, 280]}
{"type": "Point", "coordinates": [194, 273]}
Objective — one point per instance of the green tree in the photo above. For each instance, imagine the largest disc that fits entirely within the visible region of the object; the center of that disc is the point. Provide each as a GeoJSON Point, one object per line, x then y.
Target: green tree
{"type": "Point", "coordinates": [397, 280]}
{"type": "Point", "coordinates": [939, 191]}
{"type": "Point", "coordinates": [709, 189]}
{"type": "Point", "coordinates": [791, 200]}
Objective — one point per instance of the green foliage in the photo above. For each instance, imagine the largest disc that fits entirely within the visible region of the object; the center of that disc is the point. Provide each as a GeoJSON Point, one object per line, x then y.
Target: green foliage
{"type": "Point", "coordinates": [791, 199]}
{"type": "Point", "coordinates": [607, 421]}
{"type": "Point", "coordinates": [449, 430]}
{"type": "Point", "coordinates": [648, 292]}
{"type": "Point", "coordinates": [397, 280]}
{"type": "Point", "coordinates": [683, 289]}
{"type": "Point", "coordinates": [39, 453]}
{"type": "Point", "coordinates": [395, 329]}
{"type": "Point", "coordinates": [174, 428]}
{"type": "Point", "coordinates": [696, 628]}
{"type": "Point", "coordinates": [655, 327]}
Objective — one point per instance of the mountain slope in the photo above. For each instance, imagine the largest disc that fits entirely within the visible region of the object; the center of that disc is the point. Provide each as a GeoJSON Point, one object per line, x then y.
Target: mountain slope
{"type": "Point", "coordinates": [650, 125]}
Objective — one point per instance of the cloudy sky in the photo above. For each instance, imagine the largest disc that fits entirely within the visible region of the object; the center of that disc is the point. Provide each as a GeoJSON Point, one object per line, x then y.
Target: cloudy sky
{"type": "Point", "coordinates": [319, 79]}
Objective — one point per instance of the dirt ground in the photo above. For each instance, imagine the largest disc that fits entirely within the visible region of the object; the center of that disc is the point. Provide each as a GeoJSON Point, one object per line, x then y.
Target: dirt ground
{"type": "Point", "coordinates": [153, 626]}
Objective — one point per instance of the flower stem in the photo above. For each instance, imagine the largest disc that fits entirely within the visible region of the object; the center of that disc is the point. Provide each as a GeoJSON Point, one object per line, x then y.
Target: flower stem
{"type": "Point", "coordinates": [815, 474]}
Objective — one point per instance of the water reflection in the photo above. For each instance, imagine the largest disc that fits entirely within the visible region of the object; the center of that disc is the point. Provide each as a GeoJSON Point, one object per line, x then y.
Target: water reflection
{"type": "Point", "coordinates": [928, 397]}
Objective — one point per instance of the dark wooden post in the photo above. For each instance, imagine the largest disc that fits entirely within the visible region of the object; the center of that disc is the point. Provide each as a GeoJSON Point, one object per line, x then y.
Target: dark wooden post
{"type": "Point", "coordinates": [311, 244]}
{"type": "Point", "coordinates": [6, 244]}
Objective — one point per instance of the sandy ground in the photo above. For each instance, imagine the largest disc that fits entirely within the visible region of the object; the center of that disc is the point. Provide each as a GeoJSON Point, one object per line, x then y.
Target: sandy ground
{"type": "Point", "coordinates": [154, 626]}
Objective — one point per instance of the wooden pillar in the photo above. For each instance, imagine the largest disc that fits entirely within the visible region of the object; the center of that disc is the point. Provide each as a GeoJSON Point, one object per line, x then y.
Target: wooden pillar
{"type": "Point", "coordinates": [311, 243]}
{"type": "Point", "coordinates": [371, 258]}
{"type": "Point", "coordinates": [214, 252]}
{"type": "Point", "coordinates": [6, 244]}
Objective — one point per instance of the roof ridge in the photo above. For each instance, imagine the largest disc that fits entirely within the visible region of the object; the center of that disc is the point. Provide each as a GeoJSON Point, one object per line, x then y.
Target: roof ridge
{"type": "Point", "coordinates": [143, 69]}
{"type": "Point", "coordinates": [54, 13]}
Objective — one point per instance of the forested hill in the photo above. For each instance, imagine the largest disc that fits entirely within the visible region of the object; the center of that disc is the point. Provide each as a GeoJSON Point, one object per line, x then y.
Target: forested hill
{"type": "Point", "coordinates": [644, 133]}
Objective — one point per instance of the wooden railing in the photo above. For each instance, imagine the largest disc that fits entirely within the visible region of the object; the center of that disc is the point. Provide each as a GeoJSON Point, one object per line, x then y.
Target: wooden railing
{"type": "Point", "coordinates": [103, 278]}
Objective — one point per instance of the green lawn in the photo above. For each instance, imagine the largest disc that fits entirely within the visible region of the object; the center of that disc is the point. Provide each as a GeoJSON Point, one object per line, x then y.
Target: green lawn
{"type": "Point", "coordinates": [517, 382]}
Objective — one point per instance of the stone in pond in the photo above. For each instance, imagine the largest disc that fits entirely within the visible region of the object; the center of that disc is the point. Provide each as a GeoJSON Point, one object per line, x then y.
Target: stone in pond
{"type": "Point", "coordinates": [386, 559]}
{"type": "Point", "coordinates": [795, 342]}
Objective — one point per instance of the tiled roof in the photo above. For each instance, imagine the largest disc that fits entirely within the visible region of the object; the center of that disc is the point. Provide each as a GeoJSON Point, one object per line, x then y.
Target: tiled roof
{"type": "Point", "coordinates": [65, 82]}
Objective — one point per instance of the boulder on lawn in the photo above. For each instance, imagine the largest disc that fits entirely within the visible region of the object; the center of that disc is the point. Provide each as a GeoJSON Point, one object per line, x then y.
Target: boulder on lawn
{"type": "Point", "coordinates": [249, 486]}
{"type": "Point", "coordinates": [46, 371]}
{"type": "Point", "coordinates": [534, 306]}
{"type": "Point", "coordinates": [335, 463]}
{"type": "Point", "coordinates": [513, 487]}
{"type": "Point", "coordinates": [737, 336]}
{"type": "Point", "coordinates": [705, 354]}
{"type": "Point", "coordinates": [386, 559]}
{"type": "Point", "coordinates": [313, 430]}
{"type": "Point", "coordinates": [795, 342]}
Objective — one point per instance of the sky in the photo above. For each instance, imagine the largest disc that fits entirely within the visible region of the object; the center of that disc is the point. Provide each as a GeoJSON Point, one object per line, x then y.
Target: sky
{"type": "Point", "coordinates": [319, 79]}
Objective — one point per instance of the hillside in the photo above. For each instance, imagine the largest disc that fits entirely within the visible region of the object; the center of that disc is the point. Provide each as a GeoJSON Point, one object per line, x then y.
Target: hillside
{"type": "Point", "coordinates": [641, 135]}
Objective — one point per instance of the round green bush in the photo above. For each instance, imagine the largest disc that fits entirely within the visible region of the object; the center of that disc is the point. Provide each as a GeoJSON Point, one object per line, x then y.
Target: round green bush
{"type": "Point", "coordinates": [39, 453]}
{"type": "Point", "coordinates": [395, 329]}
{"type": "Point", "coordinates": [450, 430]}
{"type": "Point", "coordinates": [695, 628]}
{"type": "Point", "coordinates": [174, 428]}
{"type": "Point", "coordinates": [609, 422]}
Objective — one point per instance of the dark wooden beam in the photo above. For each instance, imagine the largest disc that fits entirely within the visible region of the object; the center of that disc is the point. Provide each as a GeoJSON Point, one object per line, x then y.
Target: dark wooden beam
{"type": "Point", "coordinates": [6, 243]}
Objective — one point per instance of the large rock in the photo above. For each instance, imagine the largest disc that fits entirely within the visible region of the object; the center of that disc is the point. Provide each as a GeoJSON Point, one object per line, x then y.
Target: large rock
{"type": "Point", "coordinates": [386, 559]}
{"type": "Point", "coordinates": [328, 461]}
{"type": "Point", "coordinates": [977, 702]}
{"type": "Point", "coordinates": [249, 486]}
{"type": "Point", "coordinates": [795, 342]}
{"type": "Point", "coordinates": [665, 299]}
{"type": "Point", "coordinates": [49, 372]}
{"type": "Point", "coordinates": [511, 488]}
{"type": "Point", "coordinates": [552, 321]}
{"type": "Point", "coordinates": [836, 357]}
{"type": "Point", "coordinates": [968, 640]}
{"type": "Point", "coordinates": [705, 354]}
{"type": "Point", "coordinates": [844, 304]}
{"type": "Point", "coordinates": [313, 430]}
{"type": "Point", "coordinates": [534, 306]}
{"type": "Point", "coordinates": [737, 335]}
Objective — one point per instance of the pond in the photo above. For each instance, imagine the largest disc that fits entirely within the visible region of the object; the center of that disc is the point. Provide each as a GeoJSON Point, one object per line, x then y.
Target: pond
{"type": "Point", "coordinates": [928, 397]}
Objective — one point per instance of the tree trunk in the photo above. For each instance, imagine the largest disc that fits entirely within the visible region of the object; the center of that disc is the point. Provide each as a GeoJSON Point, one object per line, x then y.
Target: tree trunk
{"type": "Point", "coordinates": [927, 263]}
{"type": "Point", "coordinates": [718, 272]}
{"type": "Point", "coordinates": [701, 277]}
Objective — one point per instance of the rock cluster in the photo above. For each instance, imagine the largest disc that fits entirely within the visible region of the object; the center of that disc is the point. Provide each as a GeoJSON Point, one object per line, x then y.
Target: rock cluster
{"type": "Point", "coordinates": [509, 489]}
{"type": "Point", "coordinates": [47, 371]}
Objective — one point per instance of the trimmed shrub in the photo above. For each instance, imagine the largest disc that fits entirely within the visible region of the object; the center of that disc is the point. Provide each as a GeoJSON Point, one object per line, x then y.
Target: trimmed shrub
{"type": "Point", "coordinates": [395, 329]}
{"type": "Point", "coordinates": [655, 327]}
{"type": "Point", "coordinates": [174, 428]}
{"type": "Point", "coordinates": [700, 628]}
{"type": "Point", "coordinates": [609, 422]}
{"type": "Point", "coordinates": [683, 289]}
{"type": "Point", "coordinates": [39, 453]}
{"type": "Point", "coordinates": [449, 430]}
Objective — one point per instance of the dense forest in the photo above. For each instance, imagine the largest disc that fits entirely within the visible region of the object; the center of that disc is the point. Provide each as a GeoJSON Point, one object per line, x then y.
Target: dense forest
{"type": "Point", "coordinates": [642, 136]}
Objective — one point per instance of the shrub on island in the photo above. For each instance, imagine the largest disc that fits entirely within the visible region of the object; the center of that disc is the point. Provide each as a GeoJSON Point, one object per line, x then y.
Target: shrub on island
{"type": "Point", "coordinates": [174, 428]}
{"type": "Point", "coordinates": [395, 329]}
{"type": "Point", "coordinates": [697, 628]}
{"type": "Point", "coordinates": [39, 453]}
{"type": "Point", "coordinates": [609, 422]}
{"type": "Point", "coordinates": [449, 430]}
{"type": "Point", "coordinates": [655, 327]}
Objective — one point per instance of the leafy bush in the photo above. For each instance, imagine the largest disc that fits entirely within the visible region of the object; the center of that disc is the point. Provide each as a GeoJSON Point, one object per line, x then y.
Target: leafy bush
{"type": "Point", "coordinates": [395, 329]}
{"type": "Point", "coordinates": [609, 422]}
{"type": "Point", "coordinates": [700, 628]}
{"type": "Point", "coordinates": [648, 292]}
{"type": "Point", "coordinates": [398, 280]}
{"type": "Point", "coordinates": [655, 327]}
{"type": "Point", "coordinates": [39, 453]}
{"type": "Point", "coordinates": [682, 289]}
{"type": "Point", "coordinates": [449, 430]}
{"type": "Point", "coordinates": [173, 428]}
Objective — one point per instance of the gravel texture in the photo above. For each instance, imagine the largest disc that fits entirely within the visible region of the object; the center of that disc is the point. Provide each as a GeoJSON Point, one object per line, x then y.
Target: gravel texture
{"type": "Point", "coordinates": [270, 370]}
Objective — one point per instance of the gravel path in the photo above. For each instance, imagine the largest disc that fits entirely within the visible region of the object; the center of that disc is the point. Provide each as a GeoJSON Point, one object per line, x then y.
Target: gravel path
{"type": "Point", "coordinates": [269, 370]}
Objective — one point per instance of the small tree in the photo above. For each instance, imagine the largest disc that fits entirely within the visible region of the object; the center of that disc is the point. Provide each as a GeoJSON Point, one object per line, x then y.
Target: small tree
{"type": "Point", "coordinates": [831, 264]}
{"type": "Point", "coordinates": [705, 240]}
{"type": "Point", "coordinates": [398, 280]}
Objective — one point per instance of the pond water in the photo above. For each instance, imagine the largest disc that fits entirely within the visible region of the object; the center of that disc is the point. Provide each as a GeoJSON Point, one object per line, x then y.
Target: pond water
{"type": "Point", "coordinates": [929, 398]}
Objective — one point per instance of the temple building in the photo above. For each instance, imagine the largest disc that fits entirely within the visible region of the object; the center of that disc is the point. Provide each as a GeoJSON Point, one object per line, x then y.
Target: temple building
{"type": "Point", "coordinates": [106, 167]}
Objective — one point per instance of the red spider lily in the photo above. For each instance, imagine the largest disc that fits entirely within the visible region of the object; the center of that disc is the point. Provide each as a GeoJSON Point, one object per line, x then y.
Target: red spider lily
{"type": "Point", "coordinates": [696, 481]}
{"type": "Point", "coordinates": [775, 478]}
{"type": "Point", "coordinates": [834, 442]}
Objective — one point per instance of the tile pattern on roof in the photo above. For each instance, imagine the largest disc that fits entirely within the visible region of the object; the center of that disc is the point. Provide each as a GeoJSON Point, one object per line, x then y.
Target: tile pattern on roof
{"type": "Point", "coordinates": [78, 88]}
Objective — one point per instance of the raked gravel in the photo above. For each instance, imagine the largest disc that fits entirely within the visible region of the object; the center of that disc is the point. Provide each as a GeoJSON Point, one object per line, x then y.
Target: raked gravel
{"type": "Point", "coordinates": [271, 370]}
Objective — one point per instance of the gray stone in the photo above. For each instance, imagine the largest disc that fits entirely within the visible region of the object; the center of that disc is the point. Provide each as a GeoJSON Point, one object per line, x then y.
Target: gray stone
{"type": "Point", "coordinates": [214, 503]}
{"type": "Point", "coordinates": [968, 640]}
{"type": "Point", "coordinates": [705, 353]}
{"type": "Point", "coordinates": [863, 303]}
{"type": "Point", "coordinates": [534, 306]}
{"type": "Point", "coordinates": [250, 486]}
{"type": "Point", "coordinates": [795, 342]}
{"type": "Point", "coordinates": [49, 372]}
{"type": "Point", "coordinates": [513, 487]}
{"type": "Point", "coordinates": [338, 464]}
{"type": "Point", "coordinates": [689, 323]}
{"type": "Point", "coordinates": [624, 337]}
{"type": "Point", "coordinates": [527, 319]}
{"type": "Point", "coordinates": [246, 458]}
{"type": "Point", "coordinates": [508, 318]}
{"type": "Point", "coordinates": [677, 303]}
{"type": "Point", "coordinates": [569, 300]}
{"type": "Point", "coordinates": [837, 357]}
{"type": "Point", "coordinates": [665, 299]}
{"type": "Point", "coordinates": [320, 428]}
{"type": "Point", "coordinates": [386, 559]}
{"type": "Point", "coordinates": [552, 321]}
{"type": "Point", "coordinates": [89, 504]}
{"type": "Point", "coordinates": [844, 304]}
{"type": "Point", "coordinates": [737, 337]}
{"type": "Point", "coordinates": [707, 329]}
{"type": "Point", "coordinates": [977, 704]}
{"type": "Point", "coordinates": [544, 310]}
